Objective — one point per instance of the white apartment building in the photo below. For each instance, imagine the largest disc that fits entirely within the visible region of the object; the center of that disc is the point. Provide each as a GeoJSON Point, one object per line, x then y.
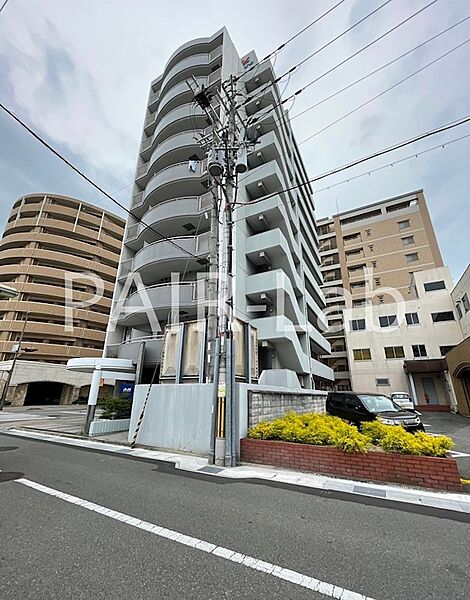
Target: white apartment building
{"type": "Point", "coordinates": [402, 346]}
{"type": "Point", "coordinates": [277, 265]}
{"type": "Point", "coordinates": [461, 298]}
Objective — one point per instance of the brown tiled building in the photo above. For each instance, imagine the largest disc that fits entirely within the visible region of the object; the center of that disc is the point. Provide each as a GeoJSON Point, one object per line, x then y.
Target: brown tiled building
{"type": "Point", "coordinates": [45, 237]}
{"type": "Point", "coordinates": [367, 250]}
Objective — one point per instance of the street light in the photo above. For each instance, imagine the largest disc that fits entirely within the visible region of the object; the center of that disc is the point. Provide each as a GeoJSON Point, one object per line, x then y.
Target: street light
{"type": "Point", "coordinates": [17, 352]}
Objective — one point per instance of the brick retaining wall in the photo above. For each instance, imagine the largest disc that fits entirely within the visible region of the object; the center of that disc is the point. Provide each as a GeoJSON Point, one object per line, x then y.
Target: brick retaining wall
{"type": "Point", "coordinates": [422, 471]}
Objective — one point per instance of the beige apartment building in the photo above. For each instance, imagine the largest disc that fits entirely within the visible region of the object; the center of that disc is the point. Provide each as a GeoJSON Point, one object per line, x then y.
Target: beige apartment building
{"type": "Point", "coordinates": [45, 238]}
{"type": "Point", "coordinates": [368, 255]}
{"type": "Point", "coordinates": [402, 347]}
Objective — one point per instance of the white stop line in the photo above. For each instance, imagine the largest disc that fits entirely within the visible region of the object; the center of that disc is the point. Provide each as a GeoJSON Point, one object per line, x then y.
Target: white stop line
{"type": "Point", "coordinates": [316, 585]}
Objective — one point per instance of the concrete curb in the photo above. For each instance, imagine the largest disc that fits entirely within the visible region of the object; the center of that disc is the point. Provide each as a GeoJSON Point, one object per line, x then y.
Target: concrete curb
{"type": "Point", "coordinates": [401, 494]}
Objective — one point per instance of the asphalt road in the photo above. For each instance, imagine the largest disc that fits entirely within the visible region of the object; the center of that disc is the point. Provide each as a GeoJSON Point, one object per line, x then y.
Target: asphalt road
{"type": "Point", "coordinates": [52, 549]}
{"type": "Point", "coordinates": [458, 428]}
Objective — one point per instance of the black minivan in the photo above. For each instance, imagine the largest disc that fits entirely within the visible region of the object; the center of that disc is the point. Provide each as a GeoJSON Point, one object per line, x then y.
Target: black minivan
{"type": "Point", "coordinates": [359, 407]}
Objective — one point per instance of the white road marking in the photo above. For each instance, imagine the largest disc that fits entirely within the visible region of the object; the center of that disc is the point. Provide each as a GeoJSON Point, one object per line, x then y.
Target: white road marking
{"type": "Point", "coordinates": [10, 416]}
{"type": "Point", "coordinates": [316, 585]}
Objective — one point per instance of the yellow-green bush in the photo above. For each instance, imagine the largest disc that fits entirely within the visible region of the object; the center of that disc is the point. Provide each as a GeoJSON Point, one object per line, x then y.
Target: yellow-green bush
{"type": "Point", "coordinates": [312, 428]}
{"type": "Point", "coordinates": [431, 445]}
{"type": "Point", "coordinates": [325, 430]}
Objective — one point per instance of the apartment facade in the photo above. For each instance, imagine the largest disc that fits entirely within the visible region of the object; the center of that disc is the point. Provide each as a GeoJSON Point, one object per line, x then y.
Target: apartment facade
{"type": "Point", "coordinates": [49, 240]}
{"type": "Point", "coordinates": [369, 255]}
{"type": "Point", "coordinates": [458, 359]}
{"type": "Point", "coordinates": [277, 277]}
{"type": "Point", "coordinates": [402, 347]}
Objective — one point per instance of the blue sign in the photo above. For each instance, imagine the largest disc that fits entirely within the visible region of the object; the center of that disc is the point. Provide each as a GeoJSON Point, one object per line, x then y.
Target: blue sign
{"type": "Point", "coordinates": [126, 388]}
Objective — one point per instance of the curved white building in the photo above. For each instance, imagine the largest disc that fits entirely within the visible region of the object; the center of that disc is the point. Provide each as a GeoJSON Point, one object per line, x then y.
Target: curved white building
{"type": "Point", "coordinates": [277, 265]}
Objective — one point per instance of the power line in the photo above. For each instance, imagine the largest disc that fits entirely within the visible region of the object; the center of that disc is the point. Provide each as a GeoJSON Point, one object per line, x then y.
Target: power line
{"type": "Point", "coordinates": [374, 72]}
{"type": "Point", "coordinates": [392, 164]}
{"type": "Point", "coordinates": [341, 63]}
{"type": "Point", "coordinates": [3, 5]}
{"type": "Point", "coordinates": [446, 127]}
{"type": "Point", "coordinates": [91, 182]}
{"type": "Point", "coordinates": [283, 45]}
{"type": "Point", "coordinates": [429, 64]}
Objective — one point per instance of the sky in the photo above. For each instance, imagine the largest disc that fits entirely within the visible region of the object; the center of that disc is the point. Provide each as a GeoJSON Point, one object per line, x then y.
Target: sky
{"type": "Point", "coordinates": [79, 74]}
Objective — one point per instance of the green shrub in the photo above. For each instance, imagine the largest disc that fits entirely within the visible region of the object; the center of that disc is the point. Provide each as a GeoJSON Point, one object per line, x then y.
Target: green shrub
{"type": "Point", "coordinates": [431, 445]}
{"type": "Point", "coordinates": [115, 408]}
{"type": "Point", "coordinates": [312, 428]}
{"type": "Point", "coordinates": [375, 431]}
{"type": "Point", "coordinates": [399, 441]}
{"type": "Point", "coordinates": [325, 430]}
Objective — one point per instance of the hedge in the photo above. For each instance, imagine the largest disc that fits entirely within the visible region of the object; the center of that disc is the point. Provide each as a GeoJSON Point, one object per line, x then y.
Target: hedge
{"type": "Point", "coordinates": [325, 430]}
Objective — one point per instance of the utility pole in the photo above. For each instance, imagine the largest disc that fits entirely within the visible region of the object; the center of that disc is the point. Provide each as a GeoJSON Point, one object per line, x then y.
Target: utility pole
{"type": "Point", "coordinates": [226, 158]}
{"type": "Point", "coordinates": [15, 357]}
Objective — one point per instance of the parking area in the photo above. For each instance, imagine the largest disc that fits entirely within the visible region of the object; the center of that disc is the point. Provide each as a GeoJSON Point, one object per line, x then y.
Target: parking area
{"type": "Point", "coordinates": [458, 428]}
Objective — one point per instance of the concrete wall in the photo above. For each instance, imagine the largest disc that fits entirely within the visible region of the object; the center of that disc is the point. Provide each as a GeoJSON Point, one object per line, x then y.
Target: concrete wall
{"type": "Point", "coordinates": [267, 406]}
{"type": "Point", "coordinates": [461, 298]}
{"type": "Point", "coordinates": [177, 417]}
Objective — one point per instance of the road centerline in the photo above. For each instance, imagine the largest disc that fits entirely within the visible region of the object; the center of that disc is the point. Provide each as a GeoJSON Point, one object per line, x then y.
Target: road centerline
{"type": "Point", "coordinates": [327, 589]}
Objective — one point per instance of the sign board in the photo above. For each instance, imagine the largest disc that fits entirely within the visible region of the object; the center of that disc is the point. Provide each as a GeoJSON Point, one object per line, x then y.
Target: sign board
{"type": "Point", "coordinates": [101, 382]}
{"type": "Point", "coordinates": [126, 388]}
{"type": "Point", "coordinates": [249, 60]}
{"type": "Point", "coordinates": [222, 390]}
{"type": "Point", "coordinates": [15, 347]}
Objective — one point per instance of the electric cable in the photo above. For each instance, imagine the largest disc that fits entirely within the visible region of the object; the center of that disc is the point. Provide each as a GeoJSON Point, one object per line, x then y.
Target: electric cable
{"type": "Point", "coordinates": [91, 182]}
{"type": "Point", "coordinates": [348, 58]}
{"type": "Point", "coordinates": [446, 127]}
{"type": "Point", "coordinates": [375, 71]}
{"type": "Point", "coordinates": [382, 93]}
{"type": "Point", "coordinates": [329, 43]}
{"type": "Point", "coordinates": [283, 45]}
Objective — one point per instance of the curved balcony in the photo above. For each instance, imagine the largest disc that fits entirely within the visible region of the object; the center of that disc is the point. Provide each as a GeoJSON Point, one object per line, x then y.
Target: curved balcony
{"type": "Point", "coordinates": [183, 298]}
{"type": "Point", "coordinates": [196, 64]}
{"type": "Point", "coordinates": [130, 349]}
{"type": "Point", "coordinates": [195, 46]}
{"type": "Point", "coordinates": [186, 117]}
{"type": "Point", "coordinates": [176, 216]}
{"type": "Point", "coordinates": [176, 181]}
{"type": "Point", "coordinates": [158, 260]}
{"type": "Point", "coordinates": [179, 94]}
{"type": "Point", "coordinates": [175, 149]}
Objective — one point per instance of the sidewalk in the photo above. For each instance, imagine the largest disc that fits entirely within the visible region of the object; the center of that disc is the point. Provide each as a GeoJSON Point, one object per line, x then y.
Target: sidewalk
{"type": "Point", "coordinates": [186, 462]}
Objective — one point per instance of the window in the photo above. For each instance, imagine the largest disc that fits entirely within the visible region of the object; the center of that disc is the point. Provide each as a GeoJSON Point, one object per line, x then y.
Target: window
{"type": "Point", "coordinates": [377, 281]}
{"type": "Point", "coordinates": [413, 257]}
{"type": "Point", "coordinates": [358, 284]}
{"type": "Point", "coordinates": [382, 381]}
{"type": "Point", "coordinates": [374, 264]}
{"type": "Point", "coordinates": [403, 224]}
{"type": "Point", "coordinates": [362, 354]}
{"type": "Point", "coordinates": [432, 286]}
{"type": "Point", "coordinates": [357, 324]}
{"type": "Point", "coordinates": [394, 352]}
{"type": "Point", "coordinates": [445, 349]}
{"type": "Point", "coordinates": [352, 237]}
{"type": "Point", "coordinates": [466, 303]}
{"type": "Point", "coordinates": [419, 350]}
{"type": "Point", "coordinates": [371, 247]}
{"type": "Point", "coordinates": [459, 311]}
{"type": "Point", "coordinates": [368, 232]}
{"type": "Point", "coordinates": [446, 315]}
{"type": "Point", "coordinates": [412, 318]}
{"type": "Point", "coordinates": [409, 240]}
{"type": "Point", "coordinates": [388, 321]}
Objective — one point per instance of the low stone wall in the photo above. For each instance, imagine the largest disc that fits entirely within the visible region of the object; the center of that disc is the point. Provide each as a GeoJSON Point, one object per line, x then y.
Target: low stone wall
{"type": "Point", "coordinates": [269, 405]}
{"type": "Point", "coordinates": [421, 471]}
{"type": "Point", "coordinates": [103, 426]}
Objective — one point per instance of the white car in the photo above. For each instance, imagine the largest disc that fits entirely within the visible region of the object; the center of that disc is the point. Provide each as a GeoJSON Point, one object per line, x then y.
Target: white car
{"type": "Point", "coordinates": [403, 399]}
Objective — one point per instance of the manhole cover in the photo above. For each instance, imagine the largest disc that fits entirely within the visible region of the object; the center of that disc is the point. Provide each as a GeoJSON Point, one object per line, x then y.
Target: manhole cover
{"type": "Point", "coordinates": [6, 448]}
{"type": "Point", "coordinates": [10, 475]}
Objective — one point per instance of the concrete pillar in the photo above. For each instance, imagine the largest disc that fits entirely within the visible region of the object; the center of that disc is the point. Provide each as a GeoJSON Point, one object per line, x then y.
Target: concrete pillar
{"type": "Point", "coordinates": [412, 388]}
{"type": "Point", "coordinates": [92, 399]}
